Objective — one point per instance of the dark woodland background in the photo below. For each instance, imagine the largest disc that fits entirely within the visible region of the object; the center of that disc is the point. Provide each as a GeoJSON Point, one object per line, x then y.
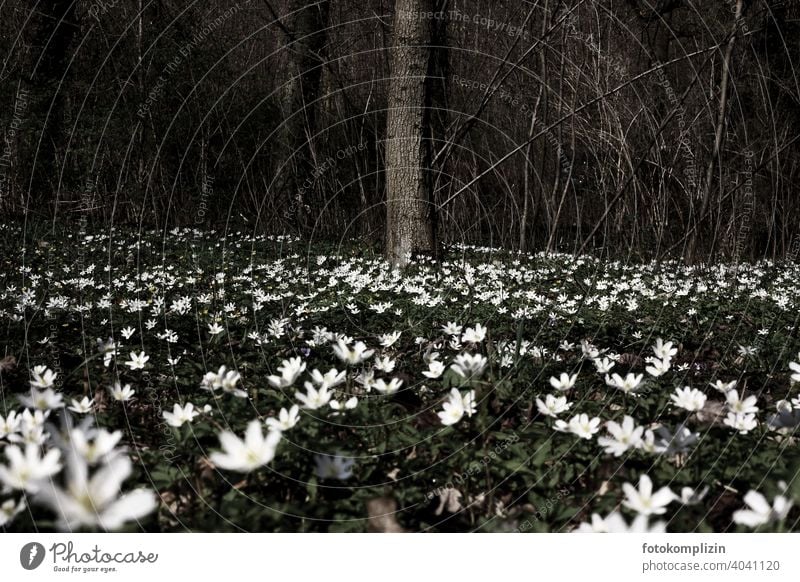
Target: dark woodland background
{"type": "Point", "coordinates": [667, 127]}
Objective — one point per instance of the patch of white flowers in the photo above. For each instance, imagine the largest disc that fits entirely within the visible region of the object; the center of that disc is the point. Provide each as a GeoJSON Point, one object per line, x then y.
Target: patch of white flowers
{"type": "Point", "coordinates": [80, 475]}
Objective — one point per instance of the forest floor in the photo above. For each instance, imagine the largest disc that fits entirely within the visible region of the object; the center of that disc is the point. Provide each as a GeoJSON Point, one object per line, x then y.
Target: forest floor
{"type": "Point", "coordinates": [489, 391]}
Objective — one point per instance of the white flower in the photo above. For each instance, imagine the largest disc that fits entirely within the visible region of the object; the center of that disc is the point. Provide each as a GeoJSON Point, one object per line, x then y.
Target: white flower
{"type": "Point", "coordinates": [121, 393]}
{"type": "Point", "coordinates": [108, 349]}
{"type": "Point", "coordinates": [388, 340]}
{"type": "Point", "coordinates": [760, 512]}
{"type": "Point", "coordinates": [580, 425]}
{"type": "Point", "coordinates": [43, 400]}
{"type": "Point", "coordinates": [739, 406]}
{"type": "Point", "coordinates": [597, 525]}
{"type": "Point", "coordinates": [333, 467]}
{"type": "Point", "coordinates": [435, 369]}
{"type": "Point", "coordinates": [468, 399]}
{"type": "Point", "coordinates": [740, 421]}
{"type": "Point", "coordinates": [289, 369]}
{"type": "Point", "coordinates": [658, 367]}
{"type": "Point", "coordinates": [603, 365]}
{"type": "Point", "coordinates": [644, 501]}
{"type": "Point", "coordinates": [452, 412]}
{"type": "Point", "coordinates": [615, 523]}
{"type": "Point", "coordinates": [688, 398]}
{"type": "Point", "coordinates": [456, 406]}
{"type": "Point", "coordinates": [180, 414]}
{"type": "Point", "coordinates": [286, 420]}
{"type": "Point", "coordinates": [745, 351]}
{"type": "Point", "coordinates": [628, 385]}
{"type": "Point", "coordinates": [246, 455]}
{"type": "Point", "coordinates": [43, 377]}
{"type": "Point", "coordinates": [564, 382]}
{"type": "Point", "coordinates": [352, 356]}
{"type": "Point", "coordinates": [367, 379]}
{"type": "Point", "coordinates": [467, 366]}
{"type": "Point", "coordinates": [349, 404]}
{"type": "Point", "coordinates": [330, 379]}
{"type": "Point", "coordinates": [795, 367]}
{"type": "Point", "coordinates": [589, 350]}
{"type": "Point", "coordinates": [553, 405]}
{"type": "Point", "coordinates": [128, 332]}
{"type": "Point", "coordinates": [451, 328]}
{"type": "Point", "coordinates": [648, 444]}
{"type": "Point", "coordinates": [137, 361]}
{"type": "Point", "coordinates": [225, 379]}
{"type": "Point", "coordinates": [625, 436]}
{"type": "Point", "coordinates": [215, 328]}
{"type": "Point", "coordinates": [31, 428]}
{"type": "Point", "coordinates": [723, 387]}
{"type": "Point", "coordinates": [25, 471]}
{"type": "Point", "coordinates": [94, 445]}
{"type": "Point", "coordinates": [664, 351]}
{"type": "Point", "coordinates": [390, 388]}
{"type": "Point", "coordinates": [384, 364]}
{"type": "Point", "coordinates": [96, 501]}
{"type": "Point", "coordinates": [10, 424]}
{"type": "Point", "coordinates": [474, 335]}
{"type": "Point", "coordinates": [82, 407]}
{"type": "Point", "coordinates": [314, 399]}
{"type": "Point", "coordinates": [9, 510]}
{"type": "Point", "coordinates": [691, 496]}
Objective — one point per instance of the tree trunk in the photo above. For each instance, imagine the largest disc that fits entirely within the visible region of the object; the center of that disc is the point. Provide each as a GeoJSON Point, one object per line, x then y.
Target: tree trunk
{"type": "Point", "coordinates": [409, 224]}
{"type": "Point", "coordinates": [719, 134]}
{"type": "Point", "coordinates": [306, 31]}
{"type": "Point", "coordinates": [55, 30]}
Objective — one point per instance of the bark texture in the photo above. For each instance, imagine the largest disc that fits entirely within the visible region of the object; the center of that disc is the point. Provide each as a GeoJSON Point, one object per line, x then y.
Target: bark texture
{"type": "Point", "coordinates": [409, 227]}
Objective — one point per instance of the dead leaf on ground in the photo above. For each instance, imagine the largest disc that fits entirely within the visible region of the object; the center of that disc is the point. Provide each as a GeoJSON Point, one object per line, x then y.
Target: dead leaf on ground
{"type": "Point", "coordinates": [382, 516]}
{"type": "Point", "coordinates": [8, 363]}
{"type": "Point", "coordinates": [449, 499]}
{"type": "Point", "coordinates": [632, 360]}
{"type": "Point", "coordinates": [712, 413]}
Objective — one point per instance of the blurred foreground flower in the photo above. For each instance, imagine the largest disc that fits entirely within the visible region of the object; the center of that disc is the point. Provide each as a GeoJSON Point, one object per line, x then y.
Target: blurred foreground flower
{"type": "Point", "coordinates": [9, 510]}
{"type": "Point", "coordinates": [96, 501]}
{"type": "Point", "coordinates": [615, 523]}
{"type": "Point", "coordinates": [26, 471]}
{"type": "Point", "coordinates": [760, 512]}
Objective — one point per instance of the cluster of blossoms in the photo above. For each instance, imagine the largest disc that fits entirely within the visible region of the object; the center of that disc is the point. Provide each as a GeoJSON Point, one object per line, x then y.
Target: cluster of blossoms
{"type": "Point", "coordinates": [76, 472]}
{"type": "Point", "coordinates": [461, 366]}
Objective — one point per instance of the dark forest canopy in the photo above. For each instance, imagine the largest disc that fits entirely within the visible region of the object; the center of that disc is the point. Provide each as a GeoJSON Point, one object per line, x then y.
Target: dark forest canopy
{"type": "Point", "coordinates": [666, 127]}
